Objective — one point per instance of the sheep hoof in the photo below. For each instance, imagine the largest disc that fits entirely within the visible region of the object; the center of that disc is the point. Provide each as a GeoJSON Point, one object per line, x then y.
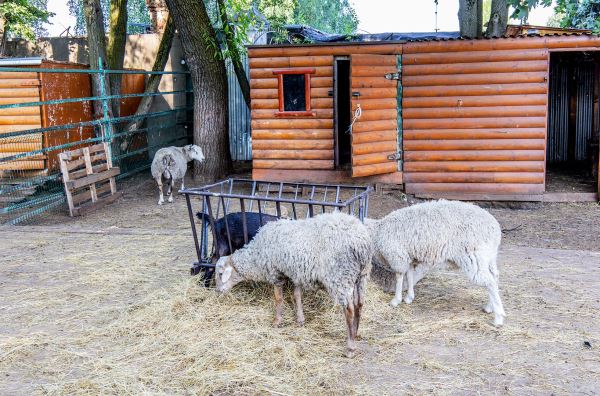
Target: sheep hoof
{"type": "Point", "coordinates": [498, 321]}
{"type": "Point", "coordinates": [394, 303]}
{"type": "Point", "coordinates": [277, 323]}
{"type": "Point", "coordinates": [408, 300]}
{"type": "Point", "coordinates": [161, 202]}
{"type": "Point", "coordinates": [301, 323]}
{"type": "Point", "coordinates": [487, 308]}
{"type": "Point", "coordinates": [170, 199]}
{"type": "Point", "coordinates": [350, 353]}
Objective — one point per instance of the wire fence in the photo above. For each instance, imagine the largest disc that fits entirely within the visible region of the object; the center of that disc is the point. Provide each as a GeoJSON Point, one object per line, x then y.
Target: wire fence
{"type": "Point", "coordinates": [46, 110]}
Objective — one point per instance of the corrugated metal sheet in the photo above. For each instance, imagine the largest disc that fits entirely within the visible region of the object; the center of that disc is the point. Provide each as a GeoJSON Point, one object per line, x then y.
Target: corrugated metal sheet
{"type": "Point", "coordinates": [584, 74]}
{"type": "Point", "coordinates": [558, 113]}
{"type": "Point", "coordinates": [240, 140]}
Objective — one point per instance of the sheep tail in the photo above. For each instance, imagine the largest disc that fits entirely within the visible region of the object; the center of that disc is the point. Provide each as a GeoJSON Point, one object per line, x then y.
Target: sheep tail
{"type": "Point", "coordinates": [202, 216]}
{"type": "Point", "coordinates": [168, 162]}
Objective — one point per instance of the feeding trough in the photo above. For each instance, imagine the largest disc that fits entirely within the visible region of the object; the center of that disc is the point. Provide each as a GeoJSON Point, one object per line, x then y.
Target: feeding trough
{"type": "Point", "coordinates": [248, 204]}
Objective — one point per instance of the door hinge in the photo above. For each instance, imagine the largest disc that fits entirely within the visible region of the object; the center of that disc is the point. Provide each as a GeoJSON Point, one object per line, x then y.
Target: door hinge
{"type": "Point", "coordinates": [392, 76]}
{"type": "Point", "coordinates": [395, 157]}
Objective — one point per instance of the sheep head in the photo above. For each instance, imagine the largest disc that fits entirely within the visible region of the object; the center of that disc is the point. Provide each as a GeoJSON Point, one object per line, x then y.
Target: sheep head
{"type": "Point", "coordinates": [193, 152]}
{"type": "Point", "coordinates": [226, 274]}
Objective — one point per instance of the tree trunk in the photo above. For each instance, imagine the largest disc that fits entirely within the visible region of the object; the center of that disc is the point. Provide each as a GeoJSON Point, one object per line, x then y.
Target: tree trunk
{"type": "Point", "coordinates": [2, 34]}
{"type": "Point", "coordinates": [154, 80]}
{"type": "Point", "coordinates": [470, 18]}
{"type": "Point", "coordinates": [117, 37]}
{"type": "Point", "coordinates": [94, 22]}
{"type": "Point", "coordinates": [496, 26]}
{"type": "Point", "coordinates": [209, 82]}
{"type": "Point", "coordinates": [236, 58]}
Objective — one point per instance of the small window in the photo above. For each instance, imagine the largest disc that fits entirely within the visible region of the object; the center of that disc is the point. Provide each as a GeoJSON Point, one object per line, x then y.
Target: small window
{"type": "Point", "coordinates": [294, 92]}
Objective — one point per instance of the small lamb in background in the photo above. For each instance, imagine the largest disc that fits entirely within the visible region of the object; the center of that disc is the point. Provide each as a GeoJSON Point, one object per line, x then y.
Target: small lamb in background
{"type": "Point", "coordinates": [411, 241]}
{"type": "Point", "coordinates": [171, 163]}
{"type": "Point", "coordinates": [330, 250]}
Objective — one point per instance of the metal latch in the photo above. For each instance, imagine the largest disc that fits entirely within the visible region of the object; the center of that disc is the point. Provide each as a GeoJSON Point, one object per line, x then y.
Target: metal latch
{"type": "Point", "coordinates": [356, 94]}
{"type": "Point", "coordinates": [392, 76]}
{"type": "Point", "coordinates": [395, 157]}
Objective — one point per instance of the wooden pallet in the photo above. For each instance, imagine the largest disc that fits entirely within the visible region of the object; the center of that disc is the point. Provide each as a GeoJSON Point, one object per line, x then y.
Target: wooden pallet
{"type": "Point", "coordinates": [89, 178]}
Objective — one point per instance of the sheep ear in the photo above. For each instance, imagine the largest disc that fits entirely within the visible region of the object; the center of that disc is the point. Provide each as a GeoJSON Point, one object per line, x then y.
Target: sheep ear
{"type": "Point", "coordinates": [226, 274]}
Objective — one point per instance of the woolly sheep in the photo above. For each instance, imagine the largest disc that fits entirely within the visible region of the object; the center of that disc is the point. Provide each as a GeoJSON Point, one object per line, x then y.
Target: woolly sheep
{"type": "Point", "coordinates": [171, 163]}
{"type": "Point", "coordinates": [412, 240]}
{"type": "Point", "coordinates": [330, 250]}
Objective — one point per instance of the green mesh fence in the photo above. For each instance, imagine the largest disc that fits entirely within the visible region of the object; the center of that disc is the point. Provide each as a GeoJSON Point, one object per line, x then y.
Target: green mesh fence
{"type": "Point", "coordinates": [37, 122]}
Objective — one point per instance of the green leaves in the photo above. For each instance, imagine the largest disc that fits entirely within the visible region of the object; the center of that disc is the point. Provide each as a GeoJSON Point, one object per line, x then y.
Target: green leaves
{"type": "Point", "coordinates": [21, 17]}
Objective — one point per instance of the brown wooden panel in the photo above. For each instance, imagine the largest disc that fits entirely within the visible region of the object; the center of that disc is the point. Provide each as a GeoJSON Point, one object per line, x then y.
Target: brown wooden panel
{"type": "Point", "coordinates": [19, 83]}
{"type": "Point", "coordinates": [482, 144]}
{"type": "Point", "coordinates": [368, 137]}
{"type": "Point", "coordinates": [315, 103]}
{"type": "Point", "coordinates": [18, 75]}
{"type": "Point", "coordinates": [20, 93]}
{"type": "Point", "coordinates": [292, 164]}
{"type": "Point", "coordinates": [481, 133]}
{"type": "Point", "coordinates": [264, 83]}
{"type": "Point", "coordinates": [376, 115]}
{"type": "Point", "coordinates": [293, 154]}
{"type": "Point", "coordinates": [474, 177]}
{"type": "Point", "coordinates": [273, 93]}
{"type": "Point", "coordinates": [20, 111]}
{"type": "Point", "coordinates": [378, 104]}
{"type": "Point", "coordinates": [23, 165]}
{"type": "Point", "coordinates": [321, 144]}
{"type": "Point", "coordinates": [318, 50]}
{"type": "Point", "coordinates": [373, 82]}
{"type": "Point", "coordinates": [372, 70]}
{"type": "Point", "coordinates": [369, 159]}
{"type": "Point", "coordinates": [480, 67]}
{"type": "Point", "coordinates": [475, 101]}
{"type": "Point", "coordinates": [20, 120]}
{"type": "Point", "coordinates": [476, 90]}
{"type": "Point", "coordinates": [474, 166]}
{"type": "Point", "coordinates": [372, 126]}
{"type": "Point", "coordinates": [375, 169]}
{"type": "Point", "coordinates": [20, 147]}
{"type": "Point", "coordinates": [474, 112]}
{"type": "Point", "coordinates": [287, 61]}
{"type": "Point", "coordinates": [494, 188]}
{"type": "Point", "coordinates": [474, 79]}
{"type": "Point", "coordinates": [320, 71]}
{"type": "Point", "coordinates": [389, 147]}
{"type": "Point", "coordinates": [4, 101]}
{"type": "Point", "coordinates": [16, 128]}
{"type": "Point", "coordinates": [270, 114]}
{"type": "Point", "coordinates": [374, 60]}
{"type": "Point", "coordinates": [304, 123]}
{"type": "Point", "coordinates": [474, 56]}
{"type": "Point", "coordinates": [322, 176]}
{"type": "Point", "coordinates": [291, 134]}
{"type": "Point", "coordinates": [378, 93]}
{"type": "Point", "coordinates": [471, 123]}
{"type": "Point", "coordinates": [475, 155]}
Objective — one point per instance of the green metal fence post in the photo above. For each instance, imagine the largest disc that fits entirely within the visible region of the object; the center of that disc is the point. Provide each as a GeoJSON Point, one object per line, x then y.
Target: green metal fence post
{"type": "Point", "coordinates": [106, 123]}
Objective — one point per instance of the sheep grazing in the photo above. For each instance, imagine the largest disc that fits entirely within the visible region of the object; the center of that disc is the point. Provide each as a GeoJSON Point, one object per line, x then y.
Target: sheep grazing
{"type": "Point", "coordinates": [412, 240]}
{"type": "Point", "coordinates": [330, 250]}
{"type": "Point", "coordinates": [171, 163]}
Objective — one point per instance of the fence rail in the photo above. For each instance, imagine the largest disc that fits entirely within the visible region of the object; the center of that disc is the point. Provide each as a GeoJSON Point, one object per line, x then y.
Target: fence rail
{"type": "Point", "coordinates": [39, 119]}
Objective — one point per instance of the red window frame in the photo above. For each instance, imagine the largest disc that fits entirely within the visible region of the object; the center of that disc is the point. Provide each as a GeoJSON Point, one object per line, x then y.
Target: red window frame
{"type": "Point", "coordinates": [306, 71]}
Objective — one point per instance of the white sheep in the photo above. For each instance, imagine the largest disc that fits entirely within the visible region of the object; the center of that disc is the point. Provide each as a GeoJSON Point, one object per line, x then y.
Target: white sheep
{"type": "Point", "coordinates": [330, 250]}
{"type": "Point", "coordinates": [412, 240]}
{"type": "Point", "coordinates": [171, 163]}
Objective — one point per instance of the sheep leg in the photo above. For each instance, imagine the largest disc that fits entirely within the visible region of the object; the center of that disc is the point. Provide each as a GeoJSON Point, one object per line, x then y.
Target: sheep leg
{"type": "Point", "coordinates": [495, 304]}
{"type": "Point", "coordinates": [161, 199]}
{"type": "Point", "coordinates": [170, 191]}
{"type": "Point", "coordinates": [410, 280]}
{"type": "Point", "coordinates": [350, 317]}
{"type": "Point", "coordinates": [299, 307]}
{"type": "Point", "coordinates": [398, 296]}
{"type": "Point", "coordinates": [278, 306]}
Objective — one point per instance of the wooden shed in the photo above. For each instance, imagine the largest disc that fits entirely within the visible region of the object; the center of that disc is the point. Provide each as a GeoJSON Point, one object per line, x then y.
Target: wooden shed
{"type": "Point", "coordinates": [466, 119]}
{"type": "Point", "coordinates": [21, 87]}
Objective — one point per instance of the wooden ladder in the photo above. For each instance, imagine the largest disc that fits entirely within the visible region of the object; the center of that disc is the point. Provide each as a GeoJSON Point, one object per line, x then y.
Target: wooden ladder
{"type": "Point", "coordinates": [89, 178]}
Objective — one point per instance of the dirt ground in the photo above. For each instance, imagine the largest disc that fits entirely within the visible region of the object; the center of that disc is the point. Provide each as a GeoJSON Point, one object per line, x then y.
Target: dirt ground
{"type": "Point", "coordinates": [103, 304]}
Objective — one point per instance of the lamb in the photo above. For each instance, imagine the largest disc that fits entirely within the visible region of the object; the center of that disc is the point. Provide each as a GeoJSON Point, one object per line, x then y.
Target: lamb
{"type": "Point", "coordinates": [171, 163]}
{"type": "Point", "coordinates": [436, 233]}
{"type": "Point", "coordinates": [332, 250]}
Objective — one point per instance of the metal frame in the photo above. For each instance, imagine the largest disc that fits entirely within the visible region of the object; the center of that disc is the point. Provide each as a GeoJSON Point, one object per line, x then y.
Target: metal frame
{"type": "Point", "coordinates": [226, 191]}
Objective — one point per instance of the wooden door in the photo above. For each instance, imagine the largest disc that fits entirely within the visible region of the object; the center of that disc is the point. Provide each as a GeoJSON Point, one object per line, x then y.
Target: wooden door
{"type": "Point", "coordinates": [375, 114]}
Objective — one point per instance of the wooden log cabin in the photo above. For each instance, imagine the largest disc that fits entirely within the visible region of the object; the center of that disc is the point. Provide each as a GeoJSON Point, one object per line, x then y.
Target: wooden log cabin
{"type": "Point", "coordinates": [465, 119]}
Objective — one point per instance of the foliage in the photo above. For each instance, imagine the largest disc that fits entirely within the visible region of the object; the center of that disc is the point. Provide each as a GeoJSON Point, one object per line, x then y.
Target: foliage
{"type": "Point", "coordinates": [332, 16]}
{"type": "Point", "coordinates": [136, 10]}
{"type": "Point", "coordinates": [24, 18]}
{"type": "Point", "coordinates": [582, 14]}
{"type": "Point", "coordinates": [521, 8]}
